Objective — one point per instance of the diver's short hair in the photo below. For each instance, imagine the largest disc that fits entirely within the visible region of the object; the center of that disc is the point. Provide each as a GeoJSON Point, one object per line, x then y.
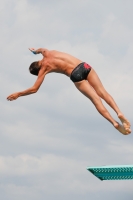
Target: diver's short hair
{"type": "Point", "coordinates": [34, 68]}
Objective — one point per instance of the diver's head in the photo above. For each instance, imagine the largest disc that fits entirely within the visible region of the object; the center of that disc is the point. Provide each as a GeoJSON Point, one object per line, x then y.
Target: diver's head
{"type": "Point", "coordinates": [35, 68]}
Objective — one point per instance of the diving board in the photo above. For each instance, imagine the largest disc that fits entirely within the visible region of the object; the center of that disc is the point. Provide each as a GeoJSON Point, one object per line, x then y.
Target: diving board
{"type": "Point", "coordinates": [118, 172]}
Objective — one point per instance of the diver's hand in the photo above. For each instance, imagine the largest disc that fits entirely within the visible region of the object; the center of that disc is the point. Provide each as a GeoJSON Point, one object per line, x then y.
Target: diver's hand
{"type": "Point", "coordinates": [13, 96]}
{"type": "Point", "coordinates": [33, 50]}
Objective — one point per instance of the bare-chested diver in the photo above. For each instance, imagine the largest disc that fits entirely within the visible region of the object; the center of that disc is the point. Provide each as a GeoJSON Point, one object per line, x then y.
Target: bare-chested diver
{"type": "Point", "coordinates": [83, 76]}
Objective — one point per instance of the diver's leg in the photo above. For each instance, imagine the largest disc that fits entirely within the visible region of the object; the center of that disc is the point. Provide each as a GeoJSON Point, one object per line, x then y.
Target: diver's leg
{"type": "Point", "coordinates": [88, 91]}
{"type": "Point", "coordinates": [95, 82]}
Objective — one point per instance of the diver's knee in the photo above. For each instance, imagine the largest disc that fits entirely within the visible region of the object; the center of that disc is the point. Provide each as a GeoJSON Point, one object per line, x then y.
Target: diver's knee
{"type": "Point", "coordinates": [102, 94]}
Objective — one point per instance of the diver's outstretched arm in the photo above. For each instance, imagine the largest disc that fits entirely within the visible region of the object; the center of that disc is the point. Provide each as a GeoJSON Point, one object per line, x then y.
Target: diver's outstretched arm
{"type": "Point", "coordinates": [31, 90]}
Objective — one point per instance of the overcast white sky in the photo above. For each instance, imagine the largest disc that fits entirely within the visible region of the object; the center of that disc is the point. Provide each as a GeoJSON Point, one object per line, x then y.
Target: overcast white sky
{"type": "Point", "coordinates": [48, 139]}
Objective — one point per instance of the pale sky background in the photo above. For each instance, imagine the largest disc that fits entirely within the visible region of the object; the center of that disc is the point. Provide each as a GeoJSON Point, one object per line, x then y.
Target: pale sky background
{"type": "Point", "coordinates": [49, 138]}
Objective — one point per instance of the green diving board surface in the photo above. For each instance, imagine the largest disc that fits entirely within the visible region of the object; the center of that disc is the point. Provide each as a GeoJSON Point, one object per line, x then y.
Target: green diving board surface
{"type": "Point", "coordinates": [118, 172]}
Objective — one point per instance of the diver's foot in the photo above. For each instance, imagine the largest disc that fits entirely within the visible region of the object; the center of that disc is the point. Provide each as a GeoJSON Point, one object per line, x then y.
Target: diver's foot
{"type": "Point", "coordinates": [121, 129]}
{"type": "Point", "coordinates": [124, 121]}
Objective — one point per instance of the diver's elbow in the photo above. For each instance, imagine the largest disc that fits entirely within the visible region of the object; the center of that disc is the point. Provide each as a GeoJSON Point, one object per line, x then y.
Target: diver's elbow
{"type": "Point", "coordinates": [34, 90]}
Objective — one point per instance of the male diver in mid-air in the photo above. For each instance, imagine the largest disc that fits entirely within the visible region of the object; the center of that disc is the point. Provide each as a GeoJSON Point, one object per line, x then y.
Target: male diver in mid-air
{"type": "Point", "coordinates": [82, 75]}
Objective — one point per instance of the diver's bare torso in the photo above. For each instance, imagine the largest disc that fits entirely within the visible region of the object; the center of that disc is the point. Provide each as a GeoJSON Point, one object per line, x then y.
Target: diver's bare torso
{"type": "Point", "coordinates": [59, 62]}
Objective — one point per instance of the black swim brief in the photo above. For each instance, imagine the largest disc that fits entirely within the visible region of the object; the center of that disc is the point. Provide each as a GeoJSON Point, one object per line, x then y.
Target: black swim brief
{"type": "Point", "coordinates": [81, 72]}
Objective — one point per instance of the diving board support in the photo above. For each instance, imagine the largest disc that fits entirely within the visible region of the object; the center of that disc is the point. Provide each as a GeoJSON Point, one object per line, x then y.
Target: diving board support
{"type": "Point", "coordinates": [118, 172]}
